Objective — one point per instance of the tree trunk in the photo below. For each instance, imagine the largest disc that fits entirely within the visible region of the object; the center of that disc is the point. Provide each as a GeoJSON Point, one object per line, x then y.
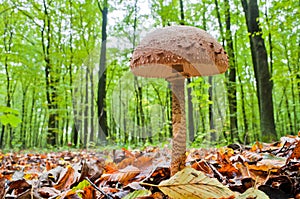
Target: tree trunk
{"type": "Point", "coordinates": [85, 132]}
{"type": "Point", "coordinates": [49, 78]}
{"type": "Point", "coordinates": [169, 111]}
{"type": "Point", "coordinates": [191, 126]}
{"type": "Point", "coordinates": [220, 22]}
{"type": "Point", "coordinates": [92, 107]}
{"type": "Point", "coordinates": [75, 132]}
{"type": "Point", "coordinates": [24, 122]}
{"type": "Point", "coordinates": [245, 136]}
{"type": "Point", "coordinates": [231, 77]}
{"type": "Point", "coordinates": [7, 41]}
{"type": "Point", "coordinates": [213, 134]}
{"type": "Point", "coordinates": [261, 70]}
{"type": "Point", "coordinates": [101, 104]}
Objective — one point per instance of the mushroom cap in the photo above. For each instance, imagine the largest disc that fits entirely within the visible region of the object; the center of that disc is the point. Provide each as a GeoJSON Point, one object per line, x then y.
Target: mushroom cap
{"type": "Point", "coordinates": [178, 50]}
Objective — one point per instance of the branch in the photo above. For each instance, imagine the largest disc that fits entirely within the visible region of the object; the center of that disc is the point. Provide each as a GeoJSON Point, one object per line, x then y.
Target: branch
{"type": "Point", "coordinates": [7, 9]}
{"type": "Point", "coordinates": [30, 17]}
{"type": "Point", "coordinates": [107, 196]}
{"type": "Point", "coordinates": [99, 6]}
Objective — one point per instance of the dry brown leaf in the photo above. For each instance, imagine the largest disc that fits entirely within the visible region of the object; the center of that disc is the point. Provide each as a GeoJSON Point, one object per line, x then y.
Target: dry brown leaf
{"type": "Point", "coordinates": [2, 185]}
{"type": "Point", "coordinates": [296, 152]}
{"type": "Point", "coordinates": [142, 162]}
{"type": "Point", "coordinates": [88, 192]}
{"type": "Point", "coordinates": [66, 181]}
{"type": "Point", "coordinates": [123, 175]}
{"type": "Point", "coordinates": [48, 192]}
{"type": "Point", "coordinates": [202, 166]}
{"type": "Point", "coordinates": [190, 183]}
{"type": "Point", "coordinates": [229, 170]}
{"type": "Point", "coordinates": [257, 147]}
{"type": "Point", "coordinates": [126, 162]}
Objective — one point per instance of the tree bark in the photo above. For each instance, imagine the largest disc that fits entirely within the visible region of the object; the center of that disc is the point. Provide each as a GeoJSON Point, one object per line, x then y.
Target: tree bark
{"type": "Point", "coordinates": [101, 104]}
{"type": "Point", "coordinates": [232, 76]}
{"type": "Point", "coordinates": [85, 132]}
{"type": "Point", "coordinates": [7, 41]}
{"type": "Point", "coordinates": [212, 129]}
{"type": "Point", "coordinates": [49, 77]}
{"type": "Point", "coordinates": [261, 70]}
{"type": "Point", "coordinates": [190, 115]}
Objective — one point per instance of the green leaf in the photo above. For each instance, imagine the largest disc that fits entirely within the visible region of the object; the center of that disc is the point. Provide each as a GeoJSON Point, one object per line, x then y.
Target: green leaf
{"type": "Point", "coordinates": [11, 119]}
{"type": "Point", "coordinates": [5, 109]}
{"type": "Point", "coordinates": [81, 185]}
{"type": "Point", "coordinates": [138, 193]}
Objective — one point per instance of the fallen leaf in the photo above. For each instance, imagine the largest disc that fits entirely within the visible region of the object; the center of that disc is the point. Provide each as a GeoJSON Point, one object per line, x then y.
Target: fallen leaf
{"type": "Point", "coordinates": [253, 194]}
{"type": "Point", "coordinates": [2, 185]}
{"type": "Point", "coordinates": [138, 193]}
{"type": "Point", "coordinates": [190, 183]}
{"type": "Point", "coordinates": [257, 147]}
{"type": "Point", "coordinates": [296, 152]}
{"type": "Point", "coordinates": [125, 175]}
{"type": "Point", "coordinates": [66, 180]}
{"type": "Point", "coordinates": [88, 192]}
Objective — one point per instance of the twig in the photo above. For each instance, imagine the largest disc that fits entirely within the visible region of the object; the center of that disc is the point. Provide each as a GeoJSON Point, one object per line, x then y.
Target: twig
{"type": "Point", "coordinates": [216, 172]}
{"type": "Point", "coordinates": [281, 149]}
{"type": "Point", "coordinates": [107, 196]}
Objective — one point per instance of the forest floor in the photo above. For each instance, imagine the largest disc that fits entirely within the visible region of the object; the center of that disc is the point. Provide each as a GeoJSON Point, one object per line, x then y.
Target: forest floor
{"type": "Point", "coordinates": [263, 170]}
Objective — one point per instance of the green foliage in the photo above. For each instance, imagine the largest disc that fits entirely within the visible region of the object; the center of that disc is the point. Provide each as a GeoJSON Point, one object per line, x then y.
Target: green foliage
{"type": "Point", "coordinates": [81, 185]}
{"type": "Point", "coordinates": [138, 193]}
{"type": "Point", "coordinates": [9, 116]}
{"type": "Point", "coordinates": [74, 52]}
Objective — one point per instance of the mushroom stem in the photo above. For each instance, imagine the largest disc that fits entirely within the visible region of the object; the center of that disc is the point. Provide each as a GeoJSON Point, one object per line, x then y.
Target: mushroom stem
{"type": "Point", "coordinates": [178, 124]}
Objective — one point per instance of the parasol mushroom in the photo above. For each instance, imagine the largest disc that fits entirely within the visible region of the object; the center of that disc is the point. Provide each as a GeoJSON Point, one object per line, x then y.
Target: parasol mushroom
{"type": "Point", "coordinates": [175, 53]}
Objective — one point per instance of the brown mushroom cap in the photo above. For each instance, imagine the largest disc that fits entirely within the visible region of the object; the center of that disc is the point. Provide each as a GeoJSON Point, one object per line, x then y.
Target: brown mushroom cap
{"type": "Point", "coordinates": [184, 49]}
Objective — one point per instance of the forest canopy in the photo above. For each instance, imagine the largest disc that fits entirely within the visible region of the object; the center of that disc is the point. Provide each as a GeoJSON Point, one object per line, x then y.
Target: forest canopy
{"type": "Point", "coordinates": [65, 78]}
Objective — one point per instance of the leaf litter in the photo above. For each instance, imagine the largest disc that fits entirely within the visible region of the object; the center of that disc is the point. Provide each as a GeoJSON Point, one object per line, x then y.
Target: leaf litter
{"type": "Point", "coordinates": [260, 171]}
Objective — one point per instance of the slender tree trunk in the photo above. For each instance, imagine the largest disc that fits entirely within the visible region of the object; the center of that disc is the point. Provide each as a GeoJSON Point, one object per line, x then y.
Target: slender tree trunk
{"type": "Point", "coordinates": [31, 128]}
{"type": "Point", "coordinates": [140, 117]}
{"type": "Point", "coordinates": [232, 76]}
{"type": "Point", "coordinates": [220, 22]}
{"type": "Point", "coordinates": [163, 113]}
{"type": "Point", "coordinates": [169, 111]}
{"type": "Point", "coordinates": [270, 41]}
{"type": "Point", "coordinates": [101, 104]}
{"type": "Point", "coordinates": [7, 41]}
{"type": "Point", "coordinates": [213, 133]}
{"type": "Point", "coordinates": [86, 110]}
{"type": "Point", "coordinates": [2, 137]}
{"type": "Point", "coordinates": [298, 77]}
{"type": "Point", "coordinates": [261, 70]}
{"type": "Point", "coordinates": [191, 126]}
{"type": "Point", "coordinates": [49, 78]}
{"type": "Point", "coordinates": [137, 109]}
{"type": "Point", "coordinates": [288, 124]}
{"type": "Point", "coordinates": [23, 123]}
{"type": "Point", "coordinates": [92, 106]}
{"type": "Point", "coordinates": [213, 136]}
{"type": "Point", "coordinates": [75, 126]}
{"type": "Point", "coordinates": [245, 136]}
{"type": "Point", "coordinates": [293, 97]}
